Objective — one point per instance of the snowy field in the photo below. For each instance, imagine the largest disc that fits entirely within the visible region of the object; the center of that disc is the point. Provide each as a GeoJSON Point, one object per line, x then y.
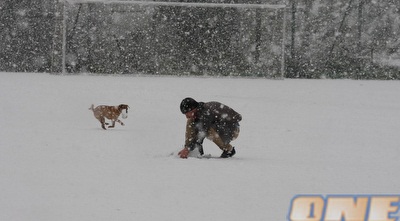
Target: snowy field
{"type": "Point", "coordinates": [297, 137]}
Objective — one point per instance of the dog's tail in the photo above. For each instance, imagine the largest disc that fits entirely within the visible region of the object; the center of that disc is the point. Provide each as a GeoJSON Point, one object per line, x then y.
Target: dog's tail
{"type": "Point", "coordinates": [92, 107]}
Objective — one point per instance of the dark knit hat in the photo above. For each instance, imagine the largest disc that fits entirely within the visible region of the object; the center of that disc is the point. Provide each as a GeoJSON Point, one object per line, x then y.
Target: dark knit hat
{"type": "Point", "coordinates": [188, 104]}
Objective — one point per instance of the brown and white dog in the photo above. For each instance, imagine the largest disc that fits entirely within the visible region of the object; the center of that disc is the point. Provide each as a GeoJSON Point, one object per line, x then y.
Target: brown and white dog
{"type": "Point", "coordinates": [110, 112]}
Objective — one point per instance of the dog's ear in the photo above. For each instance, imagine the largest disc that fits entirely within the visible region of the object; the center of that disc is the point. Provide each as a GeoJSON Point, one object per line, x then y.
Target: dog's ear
{"type": "Point", "coordinates": [123, 106]}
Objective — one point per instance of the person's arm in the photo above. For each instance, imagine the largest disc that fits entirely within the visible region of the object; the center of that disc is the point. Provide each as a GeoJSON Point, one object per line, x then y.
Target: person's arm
{"type": "Point", "coordinates": [190, 134]}
{"type": "Point", "coordinates": [190, 139]}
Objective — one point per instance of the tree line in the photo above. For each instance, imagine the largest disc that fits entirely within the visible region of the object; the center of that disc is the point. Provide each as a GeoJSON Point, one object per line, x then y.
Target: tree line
{"type": "Point", "coordinates": [355, 39]}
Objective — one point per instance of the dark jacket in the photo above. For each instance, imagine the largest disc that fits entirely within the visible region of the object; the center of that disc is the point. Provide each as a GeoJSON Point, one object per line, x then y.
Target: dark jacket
{"type": "Point", "coordinates": [215, 115]}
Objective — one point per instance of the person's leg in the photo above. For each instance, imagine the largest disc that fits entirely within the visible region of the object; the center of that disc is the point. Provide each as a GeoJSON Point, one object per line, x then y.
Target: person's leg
{"type": "Point", "coordinates": [213, 135]}
{"type": "Point", "coordinates": [236, 132]}
{"type": "Point", "coordinates": [224, 144]}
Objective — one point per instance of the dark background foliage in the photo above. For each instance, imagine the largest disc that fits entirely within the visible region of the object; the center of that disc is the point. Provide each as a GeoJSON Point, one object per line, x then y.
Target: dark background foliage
{"type": "Point", "coordinates": [355, 39]}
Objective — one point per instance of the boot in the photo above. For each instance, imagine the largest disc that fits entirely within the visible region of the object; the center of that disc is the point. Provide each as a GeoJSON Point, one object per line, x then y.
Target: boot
{"type": "Point", "coordinates": [227, 154]}
{"type": "Point", "coordinates": [200, 148]}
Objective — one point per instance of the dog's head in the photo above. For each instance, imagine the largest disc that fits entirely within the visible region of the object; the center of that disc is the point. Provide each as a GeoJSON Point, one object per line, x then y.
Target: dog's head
{"type": "Point", "coordinates": [123, 108]}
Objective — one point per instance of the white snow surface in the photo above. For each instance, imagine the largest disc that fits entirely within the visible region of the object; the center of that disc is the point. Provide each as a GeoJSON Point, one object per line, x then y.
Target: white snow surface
{"type": "Point", "coordinates": [297, 137]}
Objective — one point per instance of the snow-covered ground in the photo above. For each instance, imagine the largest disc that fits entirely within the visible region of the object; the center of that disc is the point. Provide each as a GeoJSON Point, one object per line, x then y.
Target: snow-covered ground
{"type": "Point", "coordinates": [297, 137]}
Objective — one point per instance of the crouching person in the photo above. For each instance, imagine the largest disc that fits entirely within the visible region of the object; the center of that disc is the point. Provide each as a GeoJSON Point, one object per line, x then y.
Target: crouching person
{"type": "Point", "coordinates": [212, 120]}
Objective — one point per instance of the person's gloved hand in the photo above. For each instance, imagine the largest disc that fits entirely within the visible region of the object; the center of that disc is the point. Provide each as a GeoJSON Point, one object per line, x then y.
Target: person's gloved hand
{"type": "Point", "coordinates": [184, 153]}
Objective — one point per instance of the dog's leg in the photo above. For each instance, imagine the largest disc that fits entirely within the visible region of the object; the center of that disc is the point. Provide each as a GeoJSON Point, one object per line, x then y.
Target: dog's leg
{"type": "Point", "coordinates": [112, 125]}
{"type": "Point", "coordinates": [120, 122]}
{"type": "Point", "coordinates": [103, 123]}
